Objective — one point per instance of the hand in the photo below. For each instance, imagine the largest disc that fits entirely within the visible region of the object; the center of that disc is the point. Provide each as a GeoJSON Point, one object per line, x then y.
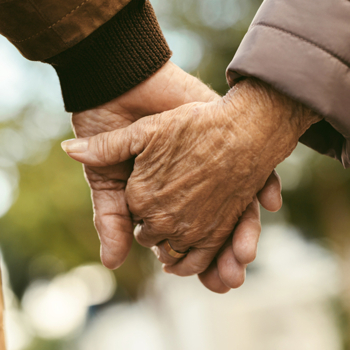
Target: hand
{"type": "Point", "coordinates": [228, 270]}
{"type": "Point", "coordinates": [200, 166]}
{"type": "Point", "coordinates": [167, 89]}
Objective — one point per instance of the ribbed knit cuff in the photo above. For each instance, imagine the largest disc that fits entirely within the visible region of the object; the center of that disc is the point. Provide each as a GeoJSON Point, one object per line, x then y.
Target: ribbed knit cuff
{"type": "Point", "coordinates": [118, 56]}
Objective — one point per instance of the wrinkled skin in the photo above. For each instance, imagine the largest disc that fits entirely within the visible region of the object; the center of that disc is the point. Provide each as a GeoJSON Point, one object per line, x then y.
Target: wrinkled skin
{"type": "Point", "coordinates": [167, 89]}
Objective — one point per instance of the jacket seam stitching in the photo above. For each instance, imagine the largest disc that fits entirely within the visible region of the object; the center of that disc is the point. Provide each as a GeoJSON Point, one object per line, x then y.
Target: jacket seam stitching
{"type": "Point", "coordinates": [262, 24]}
{"type": "Point", "coordinates": [52, 25]}
{"type": "Point", "coordinates": [43, 17]}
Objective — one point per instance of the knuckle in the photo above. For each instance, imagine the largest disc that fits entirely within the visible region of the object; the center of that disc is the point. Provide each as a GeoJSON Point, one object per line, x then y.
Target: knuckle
{"type": "Point", "coordinates": [104, 147]}
{"type": "Point", "coordinates": [107, 148]}
{"type": "Point", "coordinates": [144, 237]}
{"type": "Point", "coordinates": [100, 146]}
{"type": "Point", "coordinates": [135, 206]}
{"type": "Point", "coordinates": [134, 197]}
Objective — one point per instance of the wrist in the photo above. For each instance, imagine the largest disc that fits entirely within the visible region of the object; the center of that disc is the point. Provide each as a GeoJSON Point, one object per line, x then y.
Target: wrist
{"type": "Point", "coordinates": [273, 108]}
{"type": "Point", "coordinates": [167, 89]}
{"type": "Point", "coordinates": [265, 124]}
{"type": "Point", "coordinates": [277, 121]}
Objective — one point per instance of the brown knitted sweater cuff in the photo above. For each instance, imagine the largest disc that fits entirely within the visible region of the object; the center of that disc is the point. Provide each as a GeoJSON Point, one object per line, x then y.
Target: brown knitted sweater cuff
{"type": "Point", "coordinates": [118, 56]}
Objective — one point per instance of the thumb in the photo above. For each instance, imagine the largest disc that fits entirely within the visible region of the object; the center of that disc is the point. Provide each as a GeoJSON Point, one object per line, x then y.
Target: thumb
{"type": "Point", "coordinates": [112, 147]}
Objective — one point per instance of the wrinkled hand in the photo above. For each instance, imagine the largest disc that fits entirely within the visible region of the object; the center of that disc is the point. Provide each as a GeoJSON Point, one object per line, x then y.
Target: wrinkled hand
{"type": "Point", "coordinates": [198, 168]}
{"type": "Point", "coordinates": [168, 88]}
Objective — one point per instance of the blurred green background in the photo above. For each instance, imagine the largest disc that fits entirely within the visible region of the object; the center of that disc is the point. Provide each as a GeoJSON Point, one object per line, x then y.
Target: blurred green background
{"type": "Point", "coordinates": [46, 229]}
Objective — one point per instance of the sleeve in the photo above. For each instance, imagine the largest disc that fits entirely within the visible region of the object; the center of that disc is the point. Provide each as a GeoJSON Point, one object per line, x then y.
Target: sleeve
{"type": "Point", "coordinates": [100, 49]}
{"type": "Point", "coordinates": [302, 48]}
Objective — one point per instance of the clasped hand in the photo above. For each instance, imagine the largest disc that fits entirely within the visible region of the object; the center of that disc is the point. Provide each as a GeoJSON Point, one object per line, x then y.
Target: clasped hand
{"type": "Point", "coordinates": [196, 175]}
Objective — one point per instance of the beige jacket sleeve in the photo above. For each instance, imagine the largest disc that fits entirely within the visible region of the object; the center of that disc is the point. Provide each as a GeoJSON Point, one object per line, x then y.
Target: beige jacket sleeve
{"type": "Point", "coordinates": [44, 28]}
{"type": "Point", "coordinates": [302, 48]}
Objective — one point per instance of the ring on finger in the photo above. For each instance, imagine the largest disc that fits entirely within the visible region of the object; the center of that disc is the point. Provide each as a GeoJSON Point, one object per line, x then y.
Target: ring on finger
{"type": "Point", "coordinates": [172, 252]}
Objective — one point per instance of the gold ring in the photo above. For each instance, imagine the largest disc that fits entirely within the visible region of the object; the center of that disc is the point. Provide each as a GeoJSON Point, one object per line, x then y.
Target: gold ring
{"type": "Point", "coordinates": [172, 252]}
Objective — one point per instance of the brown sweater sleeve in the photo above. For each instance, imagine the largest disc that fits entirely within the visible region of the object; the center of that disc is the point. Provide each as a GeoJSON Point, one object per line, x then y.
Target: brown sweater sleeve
{"type": "Point", "coordinates": [100, 49]}
{"type": "Point", "coordinates": [43, 28]}
{"type": "Point", "coordinates": [119, 55]}
{"type": "Point", "coordinates": [302, 48]}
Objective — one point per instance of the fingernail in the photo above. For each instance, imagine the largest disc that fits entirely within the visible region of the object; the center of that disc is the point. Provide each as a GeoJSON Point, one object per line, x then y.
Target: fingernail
{"type": "Point", "coordinates": [75, 145]}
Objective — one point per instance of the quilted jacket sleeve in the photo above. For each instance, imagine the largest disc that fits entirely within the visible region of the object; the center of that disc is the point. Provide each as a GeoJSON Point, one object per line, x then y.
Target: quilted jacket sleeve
{"type": "Point", "coordinates": [302, 48]}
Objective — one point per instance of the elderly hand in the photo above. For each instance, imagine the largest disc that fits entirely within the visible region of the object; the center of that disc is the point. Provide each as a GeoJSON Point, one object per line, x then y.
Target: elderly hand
{"type": "Point", "coordinates": [169, 88]}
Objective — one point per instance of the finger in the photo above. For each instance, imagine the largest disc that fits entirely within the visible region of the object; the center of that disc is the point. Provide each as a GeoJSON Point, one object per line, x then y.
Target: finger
{"type": "Point", "coordinates": [210, 278]}
{"type": "Point", "coordinates": [146, 237]}
{"type": "Point", "coordinates": [112, 147]}
{"type": "Point", "coordinates": [114, 226]}
{"type": "Point", "coordinates": [234, 257]}
{"type": "Point", "coordinates": [270, 196]}
{"type": "Point", "coordinates": [111, 176]}
{"type": "Point", "coordinates": [163, 256]}
{"type": "Point", "coordinates": [194, 263]}
{"type": "Point", "coordinates": [232, 273]}
{"type": "Point", "coordinates": [246, 234]}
